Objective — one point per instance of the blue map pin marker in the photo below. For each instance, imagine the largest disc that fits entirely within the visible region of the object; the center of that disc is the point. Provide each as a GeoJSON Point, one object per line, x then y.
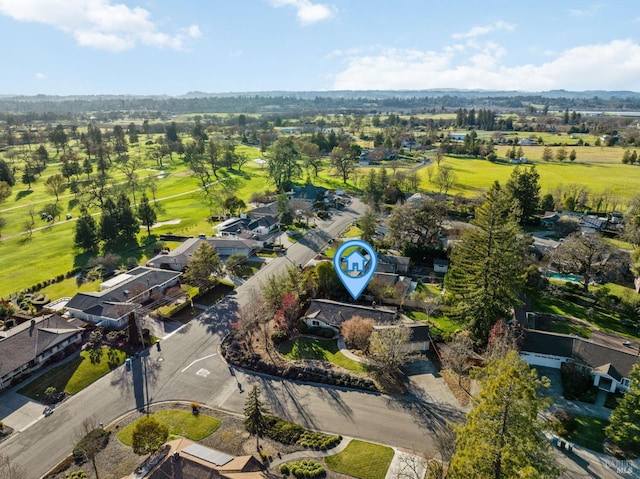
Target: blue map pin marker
{"type": "Point", "coordinates": [355, 268]}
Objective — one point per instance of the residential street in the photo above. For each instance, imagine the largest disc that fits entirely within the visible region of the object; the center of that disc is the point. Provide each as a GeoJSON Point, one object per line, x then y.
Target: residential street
{"type": "Point", "coordinates": [189, 368]}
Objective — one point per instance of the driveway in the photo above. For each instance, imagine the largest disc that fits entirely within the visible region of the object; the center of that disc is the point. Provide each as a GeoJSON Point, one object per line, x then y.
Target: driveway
{"type": "Point", "coordinates": [426, 383]}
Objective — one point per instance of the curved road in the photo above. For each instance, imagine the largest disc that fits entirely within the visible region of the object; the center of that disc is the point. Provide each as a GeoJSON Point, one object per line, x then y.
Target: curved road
{"type": "Point", "coordinates": [189, 368]}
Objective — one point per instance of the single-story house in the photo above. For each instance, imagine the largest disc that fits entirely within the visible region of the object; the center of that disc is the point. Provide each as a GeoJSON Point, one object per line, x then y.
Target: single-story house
{"type": "Point", "coordinates": [178, 259]}
{"type": "Point", "coordinates": [527, 142]}
{"type": "Point", "coordinates": [325, 313]}
{"type": "Point", "coordinates": [309, 193]}
{"type": "Point", "coordinates": [185, 459]}
{"type": "Point", "coordinates": [392, 264]}
{"type": "Point", "coordinates": [111, 307]}
{"type": "Point", "coordinates": [608, 365]}
{"type": "Point", "coordinates": [29, 346]}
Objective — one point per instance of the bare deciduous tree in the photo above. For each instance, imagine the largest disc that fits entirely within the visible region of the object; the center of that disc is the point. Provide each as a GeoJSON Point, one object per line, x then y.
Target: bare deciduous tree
{"type": "Point", "coordinates": [357, 332]}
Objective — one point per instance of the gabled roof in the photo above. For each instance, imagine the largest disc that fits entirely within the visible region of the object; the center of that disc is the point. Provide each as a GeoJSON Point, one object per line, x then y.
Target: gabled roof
{"type": "Point", "coordinates": [609, 370]}
{"type": "Point", "coordinates": [309, 192]}
{"type": "Point", "coordinates": [32, 339]}
{"type": "Point", "coordinates": [597, 356]}
{"type": "Point", "coordinates": [116, 301]}
{"type": "Point", "coordinates": [335, 313]}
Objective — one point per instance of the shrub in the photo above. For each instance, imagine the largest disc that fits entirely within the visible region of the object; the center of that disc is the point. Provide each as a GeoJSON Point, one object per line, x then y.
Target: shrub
{"type": "Point", "coordinates": [357, 331]}
{"type": "Point", "coordinates": [575, 383]}
{"type": "Point", "coordinates": [278, 337]}
{"type": "Point", "coordinates": [303, 469]}
{"type": "Point", "coordinates": [79, 474]}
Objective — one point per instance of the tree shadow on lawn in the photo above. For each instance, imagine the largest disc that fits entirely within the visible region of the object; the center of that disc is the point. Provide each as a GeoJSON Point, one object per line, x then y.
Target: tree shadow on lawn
{"type": "Point", "coordinates": [23, 194]}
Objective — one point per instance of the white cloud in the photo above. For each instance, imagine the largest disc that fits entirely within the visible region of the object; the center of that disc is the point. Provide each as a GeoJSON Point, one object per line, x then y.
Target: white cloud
{"type": "Point", "coordinates": [586, 12]}
{"type": "Point", "coordinates": [484, 30]}
{"type": "Point", "coordinates": [98, 23]}
{"type": "Point", "coordinates": [41, 76]}
{"type": "Point", "coordinates": [611, 66]}
{"type": "Point", "coordinates": [306, 11]}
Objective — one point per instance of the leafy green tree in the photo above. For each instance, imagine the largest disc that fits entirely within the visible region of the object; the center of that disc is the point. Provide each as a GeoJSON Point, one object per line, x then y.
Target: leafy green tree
{"type": "Point", "coordinates": [41, 156]}
{"type": "Point", "coordinates": [487, 266]}
{"type": "Point", "coordinates": [58, 137]}
{"type": "Point", "coordinates": [149, 435]}
{"type": "Point", "coordinates": [344, 158]}
{"type": "Point", "coordinates": [233, 204]}
{"type": "Point", "coordinates": [146, 214]}
{"type": "Point", "coordinates": [327, 280]}
{"type": "Point", "coordinates": [5, 191]}
{"type": "Point", "coordinates": [86, 234]}
{"type": "Point", "coordinates": [285, 217]}
{"type": "Point", "coordinates": [369, 226]}
{"type": "Point", "coordinates": [128, 226]}
{"type": "Point", "coordinates": [503, 437]}
{"type": "Point", "coordinates": [55, 185]}
{"type": "Point", "coordinates": [561, 153]}
{"type": "Point", "coordinates": [547, 154]}
{"type": "Point", "coordinates": [29, 173]}
{"type": "Point", "coordinates": [524, 188]}
{"type": "Point", "coordinates": [204, 268]}
{"type": "Point", "coordinates": [256, 415]}
{"type": "Point", "coordinates": [283, 164]}
{"type": "Point", "coordinates": [624, 423]}
{"type": "Point", "coordinates": [6, 174]}
{"type": "Point", "coordinates": [573, 155]}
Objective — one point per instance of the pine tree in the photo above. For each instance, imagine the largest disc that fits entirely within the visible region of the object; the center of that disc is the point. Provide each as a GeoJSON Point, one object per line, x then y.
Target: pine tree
{"type": "Point", "coordinates": [524, 188]}
{"type": "Point", "coordinates": [86, 236]}
{"type": "Point", "coordinates": [128, 227]}
{"type": "Point", "coordinates": [487, 270]}
{"type": "Point", "coordinates": [502, 437]}
{"type": "Point", "coordinates": [256, 415]}
{"type": "Point", "coordinates": [146, 213]}
{"type": "Point", "coordinates": [624, 423]}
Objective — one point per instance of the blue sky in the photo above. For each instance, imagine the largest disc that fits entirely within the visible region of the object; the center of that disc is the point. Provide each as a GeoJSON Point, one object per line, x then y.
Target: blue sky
{"type": "Point", "coordinates": [172, 47]}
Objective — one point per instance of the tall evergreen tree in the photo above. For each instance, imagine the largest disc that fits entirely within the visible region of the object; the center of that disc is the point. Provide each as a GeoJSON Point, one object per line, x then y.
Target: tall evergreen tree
{"type": "Point", "coordinates": [86, 236]}
{"type": "Point", "coordinates": [624, 423]}
{"type": "Point", "coordinates": [128, 226]}
{"type": "Point", "coordinates": [283, 164]}
{"type": "Point", "coordinates": [256, 415]}
{"type": "Point", "coordinates": [486, 272]}
{"type": "Point", "coordinates": [109, 223]}
{"type": "Point", "coordinates": [503, 437]}
{"type": "Point", "coordinates": [524, 188]}
{"type": "Point", "coordinates": [146, 213]}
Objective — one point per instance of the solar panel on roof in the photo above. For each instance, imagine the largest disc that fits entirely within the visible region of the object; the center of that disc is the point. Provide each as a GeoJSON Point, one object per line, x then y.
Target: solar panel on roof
{"type": "Point", "coordinates": [210, 455]}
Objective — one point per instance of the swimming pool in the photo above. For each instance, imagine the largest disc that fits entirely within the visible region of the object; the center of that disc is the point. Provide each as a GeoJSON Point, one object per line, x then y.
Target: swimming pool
{"type": "Point", "coordinates": [574, 278]}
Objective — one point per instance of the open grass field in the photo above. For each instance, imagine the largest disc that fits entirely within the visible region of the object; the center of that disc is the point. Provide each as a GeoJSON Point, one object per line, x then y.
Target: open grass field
{"type": "Point", "coordinates": [322, 350]}
{"type": "Point", "coordinates": [180, 423]}
{"type": "Point", "coordinates": [475, 176]}
{"type": "Point", "coordinates": [74, 375]}
{"type": "Point", "coordinates": [361, 459]}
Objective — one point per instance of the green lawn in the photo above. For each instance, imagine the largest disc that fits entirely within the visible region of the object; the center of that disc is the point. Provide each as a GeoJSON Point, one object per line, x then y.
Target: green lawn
{"type": "Point", "coordinates": [319, 349]}
{"type": "Point", "coordinates": [441, 322]}
{"type": "Point", "coordinates": [594, 315]}
{"type": "Point", "coordinates": [589, 433]}
{"type": "Point", "coordinates": [363, 460]}
{"type": "Point", "coordinates": [180, 423]}
{"type": "Point", "coordinates": [75, 375]}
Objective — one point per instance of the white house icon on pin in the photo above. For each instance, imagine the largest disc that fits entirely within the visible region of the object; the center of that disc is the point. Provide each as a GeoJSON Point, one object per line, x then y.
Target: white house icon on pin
{"type": "Point", "coordinates": [355, 262]}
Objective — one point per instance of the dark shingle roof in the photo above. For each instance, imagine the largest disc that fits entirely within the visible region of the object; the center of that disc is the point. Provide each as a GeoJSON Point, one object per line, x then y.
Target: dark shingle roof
{"type": "Point", "coordinates": [548, 343]}
{"type": "Point", "coordinates": [597, 356]}
{"type": "Point", "coordinates": [335, 313]}
{"type": "Point", "coordinates": [107, 303]}
{"type": "Point", "coordinates": [43, 333]}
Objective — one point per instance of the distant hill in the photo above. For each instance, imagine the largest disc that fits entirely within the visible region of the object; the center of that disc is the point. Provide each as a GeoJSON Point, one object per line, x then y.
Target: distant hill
{"type": "Point", "coordinates": [315, 102]}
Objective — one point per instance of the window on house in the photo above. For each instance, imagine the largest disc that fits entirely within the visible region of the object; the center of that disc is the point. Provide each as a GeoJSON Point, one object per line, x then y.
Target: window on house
{"type": "Point", "coordinates": [625, 381]}
{"type": "Point", "coordinates": [315, 323]}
